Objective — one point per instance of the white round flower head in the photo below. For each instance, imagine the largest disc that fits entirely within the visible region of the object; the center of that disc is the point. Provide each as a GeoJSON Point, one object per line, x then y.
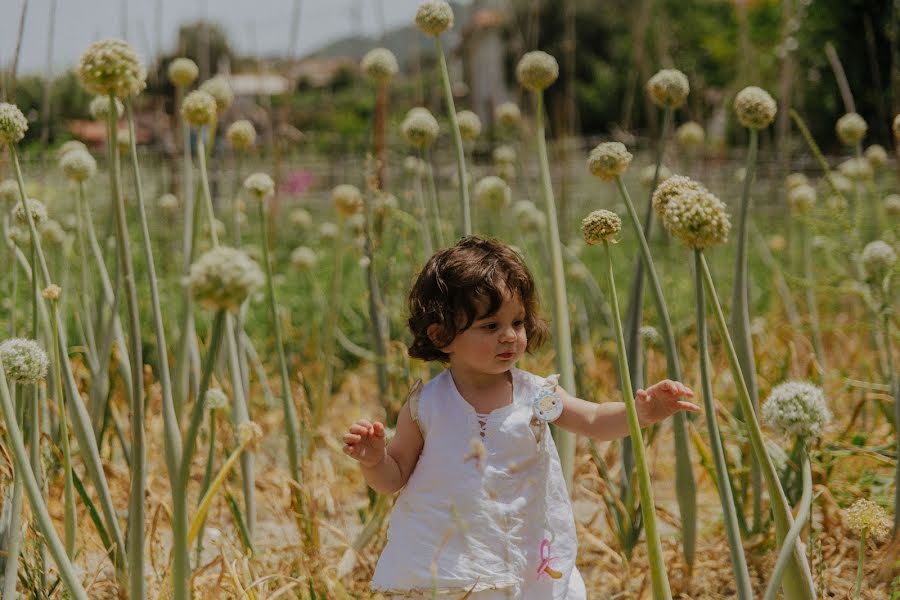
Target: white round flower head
{"type": "Point", "coordinates": [469, 124]}
{"type": "Point", "coordinates": [183, 72]}
{"type": "Point", "coordinates": [506, 171]}
{"type": "Point", "coordinates": [51, 292]}
{"type": "Point", "coordinates": [52, 232]}
{"type": "Point", "coordinates": [70, 146]}
{"type": "Point", "coordinates": [802, 198]}
{"type": "Point", "coordinates": [891, 205]}
{"type": "Point", "coordinates": [797, 409]}
{"type": "Point", "coordinates": [219, 88]}
{"type": "Point", "coordinates": [420, 128]}
{"type": "Point", "coordinates": [878, 259]}
{"type": "Point", "coordinates": [216, 399]}
{"type": "Point", "coordinates": [755, 107]}
{"type": "Point", "coordinates": [168, 203]}
{"type": "Point", "coordinates": [521, 207]}
{"type": "Point", "coordinates": [241, 135]}
{"type": "Point", "coordinates": [669, 88]}
{"type": "Point", "coordinates": [260, 186]}
{"type": "Point", "coordinates": [99, 108]}
{"type": "Point", "coordinates": [865, 515]}
{"type": "Point", "coordinates": [851, 129]}
{"type": "Point", "coordinates": [379, 65]}
{"type": "Point", "coordinates": [648, 172]}
{"type": "Point", "coordinates": [504, 154]}
{"type": "Point", "coordinates": [223, 278]}
{"type": "Point", "coordinates": [508, 115]}
{"type": "Point", "coordinates": [112, 67]}
{"type": "Point", "coordinates": [895, 126]}
{"type": "Point", "coordinates": [24, 361]}
{"type": "Point", "coordinates": [650, 336]}
{"type": "Point", "coordinates": [601, 226]}
{"type": "Point", "coordinates": [328, 231]}
{"type": "Point", "coordinates": [434, 17]}
{"type": "Point", "coordinates": [384, 203]}
{"type": "Point", "coordinates": [347, 199]}
{"type": "Point", "coordinates": [304, 258]}
{"type": "Point", "coordinates": [690, 134]}
{"type": "Point", "coordinates": [609, 160]}
{"type": "Point", "coordinates": [20, 235]}
{"type": "Point", "coordinates": [411, 165]}
{"type": "Point", "coordinates": [199, 108]}
{"type": "Point", "coordinates": [856, 169]}
{"type": "Point", "coordinates": [493, 193]}
{"type": "Point", "coordinates": [356, 222]}
{"type": "Point", "coordinates": [795, 179]}
{"type": "Point", "coordinates": [537, 70]}
{"type": "Point", "coordinates": [78, 165]}
{"type": "Point", "coordinates": [697, 218]}
{"type": "Point", "coordinates": [13, 124]}
{"type": "Point", "coordinates": [35, 207]}
{"type": "Point", "coordinates": [672, 186]}
{"type": "Point", "coordinates": [249, 434]}
{"type": "Point", "coordinates": [876, 155]}
{"type": "Point", "coordinates": [301, 219]}
{"type": "Point", "coordinates": [9, 191]}
{"type": "Point", "coordinates": [578, 272]}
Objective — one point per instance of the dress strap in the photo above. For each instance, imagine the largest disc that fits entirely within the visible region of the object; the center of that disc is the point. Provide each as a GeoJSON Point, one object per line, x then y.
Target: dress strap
{"type": "Point", "coordinates": [412, 399]}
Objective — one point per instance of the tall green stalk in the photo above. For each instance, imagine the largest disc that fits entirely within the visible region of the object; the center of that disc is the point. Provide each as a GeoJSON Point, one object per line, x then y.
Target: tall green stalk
{"type": "Point", "coordinates": [661, 590]}
{"type": "Point", "coordinates": [732, 530]}
{"type": "Point", "coordinates": [457, 139]}
{"type": "Point", "coordinates": [565, 441]}
{"type": "Point", "coordinates": [811, 303]}
{"type": "Point", "coordinates": [331, 323]}
{"type": "Point", "coordinates": [798, 582]}
{"type": "Point", "coordinates": [69, 515]}
{"type": "Point", "coordinates": [685, 485]}
{"type": "Point", "coordinates": [433, 200]}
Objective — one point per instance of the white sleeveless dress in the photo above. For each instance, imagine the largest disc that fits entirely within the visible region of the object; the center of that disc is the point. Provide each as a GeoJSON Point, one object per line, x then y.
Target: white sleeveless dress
{"type": "Point", "coordinates": [486, 508]}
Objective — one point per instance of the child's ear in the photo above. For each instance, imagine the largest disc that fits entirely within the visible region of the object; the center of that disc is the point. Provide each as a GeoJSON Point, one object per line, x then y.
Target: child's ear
{"type": "Point", "coordinates": [434, 332]}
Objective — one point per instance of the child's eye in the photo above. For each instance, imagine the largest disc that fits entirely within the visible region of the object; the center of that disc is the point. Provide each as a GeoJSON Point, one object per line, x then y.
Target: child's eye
{"type": "Point", "coordinates": [489, 326]}
{"type": "Point", "coordinates": [518, 323]}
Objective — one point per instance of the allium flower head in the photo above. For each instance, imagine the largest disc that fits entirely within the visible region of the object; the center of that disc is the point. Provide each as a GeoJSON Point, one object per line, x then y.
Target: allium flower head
{"type": "Point", "coordinates": [851, 129]}
{"type": "Point", "coordinates": [411, 165]}
{"type": "Point", "coordinates": [300, 218]}
{"type": "Point", "coordinates": [304, 258]}
{"type": "Point", "coordinates": [168, 203]}
{"type": "Point", "coordinates": [492, 192]}
{"type": "Point", "coordinates": [78, 165]}
{"type": "Point", "coordinates": [856, 169]}
{"type": "Point", "coordinates": [795, 179]}
{"type": "Point", "coordinates": [13, 124]}
{"type": "Point", "coordinates": [183, 72]}
{"type": "Point", "coordinates": [650, 336]}
{"type": "Point", "coordinates": [99, 108]}
{"type": "Point", "coordinates": [24, 361]}
{"type": "Point", "coordinates": [802, 198]}
{"type": "Point", "coordinates": [241, 135]}
{"type": "Point", "coordinates": [755, 108]}
{"type": "Point", "coordinates": [669, 88]}
{"type": "Point", "coordinates": [878, 259]}
{"type": "Point", "coordinates": [51, 292]}
{"type": "Point", "coordinates": [223, 278]}
{"type": "Point", "coordinates": [216, 399]}
{"type": "Point", "coordinates": [249, 434]}
{"type": "Point", "coordinates": [347, 199]}
{"type": "Point", "coordinates": [420, 128]}
{"type": "Point", "coordinates": [648, 172]}
{"type": "Point", "coordinates": [865, 515]}
{"type": "Point", "coordinates": [219, 88]}
{"type": "Point", "coordinates": [672, 186]}
{"type": "Point", "coordinates": [260, 185]}
{"type": "Point", "coordinates": [609, 160]}
{"type": "Point", "coordinates": [690, 134]}
{"type": "Point", "coordinates": [9, 191]}
{"type": "Point", "coordinates": [508, 115]}
{"type": "Point", "coordinates": [379, 65]}
{"type": "Point", "coordinates": [328, 230]}
{"type": "Point", "coordinates": [434, 17]}
{"type": "Point", "coordinates": [199, 108]}
{"type": "Point", "coordinates": [504, 154]}
{"type": "Point", "coordinates": [876, 155]}
{"type": "Point", "coordinates": [52, 232]}
{"type": "Point", "coordinates": [112, 67]}
{"type": "Point", "coordinates": [891, 204]}
{"type": "Point", "coordinates": [797, 409]}
{"type": "Point", "coordinates": [601, 226]}
{"type": "Point", "coordinates": [469, 124]}
{"type": "Point", "coordinates": [696, 217]}
{"type": "Point", "coordinates": [537, 70]}
{"type": "Point", "coordinates": [529, 217]}
{"type": "Point", "coordinates": [35, 207]}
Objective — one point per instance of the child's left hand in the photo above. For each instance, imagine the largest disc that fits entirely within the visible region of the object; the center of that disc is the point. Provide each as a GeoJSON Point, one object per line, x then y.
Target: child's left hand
{"type": "Point", "coordinates": [661, 400]}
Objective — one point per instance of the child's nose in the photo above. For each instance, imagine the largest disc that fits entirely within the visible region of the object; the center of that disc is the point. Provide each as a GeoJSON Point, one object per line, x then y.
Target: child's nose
{"type": "Point", "coordinates": [508, 333]}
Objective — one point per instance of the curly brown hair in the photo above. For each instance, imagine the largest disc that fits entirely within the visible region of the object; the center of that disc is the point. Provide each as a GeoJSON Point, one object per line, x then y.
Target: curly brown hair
{"type": "Point", "coordinates": [464, 283]}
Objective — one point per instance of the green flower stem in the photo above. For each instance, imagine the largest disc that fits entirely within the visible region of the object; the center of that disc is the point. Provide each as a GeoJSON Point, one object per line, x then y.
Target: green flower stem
{"type": "Point", "coordinates": [811, 304]}
{"type": "Point", "coordinates": [379, 324]}
{"type": "Point", "coordinates": [660, 580]}
{"type": "Point", "coordinates": [860, 561]}
{"type": "Point", "coordinates": [894, 381]}
{"type": "Point", "coordinates": [331, 322]}
{"type": "Point", "coordinates": [135, 537]}
{"type": "Point", "coordinates": [207, 196]}
{"type": "Point", "coordinates": [726, 498]}
{"type": "Point", "coordinates": [457, 139]}
{"type": "Point", "coordinates": [798, 582]}
{"type": "Point", "coordinates": [39, 508]}
{"type": "Point", "coordinates": [784, 556]}
{"type": "Point", "coordinates": [427, 244]}
{"type": "Point", "coordinates": [433, 200]}
{"type": "Point", "coordinates": [14, 541]}
{"type": "Point", "coordinates": [208, 494]}
{"type": "Point", "coordinates": [685, 485]}
{"type": "Point", "coordinates": [207, 479]}
{"type": "Point", "coordinates": [565, 441]}
{"type": "Point", "coordinates": [85, 286]}
{"type": "Point", "coordinates": [69, 515]}
{"type": "Point", "coordinates": [740, 312]}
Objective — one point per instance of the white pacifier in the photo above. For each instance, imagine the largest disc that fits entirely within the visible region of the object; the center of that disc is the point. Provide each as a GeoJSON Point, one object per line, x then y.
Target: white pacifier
{"type": "Point", "coordinates": [547, 405]}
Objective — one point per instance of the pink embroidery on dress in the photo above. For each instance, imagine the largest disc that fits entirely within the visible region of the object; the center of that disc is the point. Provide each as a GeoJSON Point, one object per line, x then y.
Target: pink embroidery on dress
{"type": "Point", "coordinates": [546, 558]}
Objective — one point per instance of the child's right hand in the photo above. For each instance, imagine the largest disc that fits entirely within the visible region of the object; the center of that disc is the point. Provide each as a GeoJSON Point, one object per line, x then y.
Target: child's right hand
{"type": "Point", "coordinates": [365, 443]}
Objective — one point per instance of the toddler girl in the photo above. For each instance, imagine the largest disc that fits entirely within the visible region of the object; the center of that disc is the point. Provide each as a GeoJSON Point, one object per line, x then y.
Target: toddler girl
{"type": "Point", "coordinates": [484, 509]}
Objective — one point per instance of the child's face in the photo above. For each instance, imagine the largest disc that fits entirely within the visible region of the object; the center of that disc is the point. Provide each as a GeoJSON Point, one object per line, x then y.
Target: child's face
{"type": "Point", "coordinates": [492, 344]}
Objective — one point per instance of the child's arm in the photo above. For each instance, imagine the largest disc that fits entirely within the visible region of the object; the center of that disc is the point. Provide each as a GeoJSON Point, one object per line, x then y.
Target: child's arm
{"type": "Point", "coordinates": [386, 469]}
{"type": "Point", "coordinates": [608, 421]}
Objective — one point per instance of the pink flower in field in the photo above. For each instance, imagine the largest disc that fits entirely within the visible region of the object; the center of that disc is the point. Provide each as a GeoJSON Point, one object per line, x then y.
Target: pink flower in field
{"type": "Point", "coordinates": [297, 182]}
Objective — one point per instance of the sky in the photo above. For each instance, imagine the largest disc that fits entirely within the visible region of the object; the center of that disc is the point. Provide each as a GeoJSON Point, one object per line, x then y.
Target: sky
{"type": "Point", "coordinates": [255, 27]}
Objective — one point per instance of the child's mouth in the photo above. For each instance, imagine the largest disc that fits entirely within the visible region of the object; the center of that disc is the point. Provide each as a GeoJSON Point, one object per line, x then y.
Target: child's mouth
{"type": "Point", "coordinates": [506, 355]}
